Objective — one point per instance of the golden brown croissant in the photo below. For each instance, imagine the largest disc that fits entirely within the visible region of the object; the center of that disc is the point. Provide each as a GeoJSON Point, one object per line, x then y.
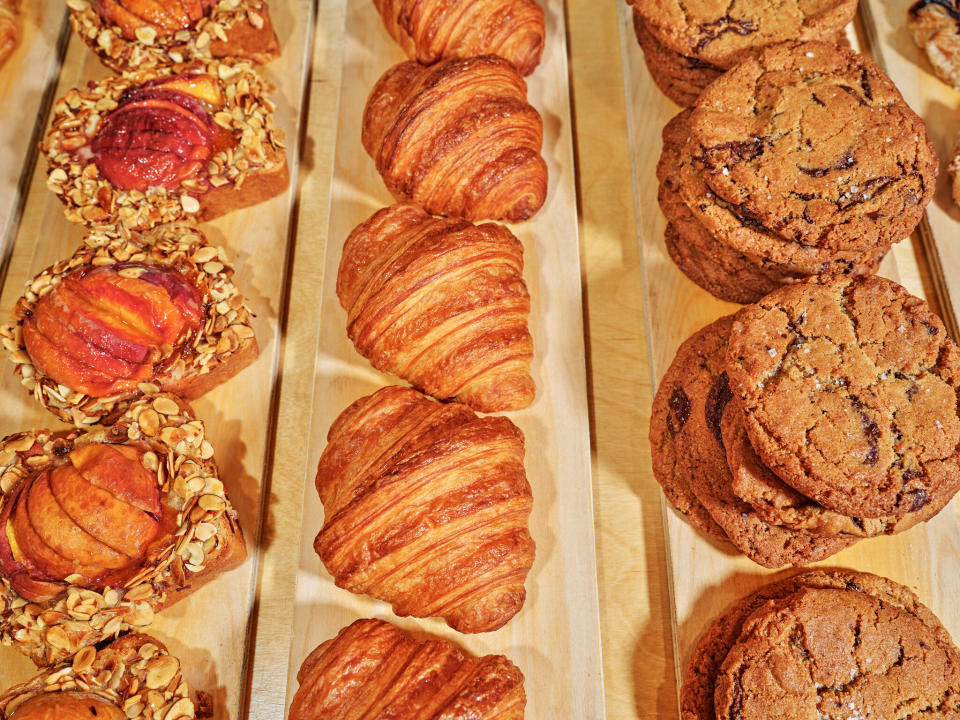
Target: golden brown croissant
{"type": "Point", "coordinates": [372, 670]}
{"type": "Point", "coordinates": [426, 507]}
{"type": "Point", "coordinates": [442, 304]}
{"type": "Point", "coordinates": [431, 30]}
{"type": "Point", "coordinates": [459, 138]}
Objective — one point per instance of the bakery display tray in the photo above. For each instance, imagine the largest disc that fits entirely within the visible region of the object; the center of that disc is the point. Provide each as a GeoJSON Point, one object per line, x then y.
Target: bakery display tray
{"type": "Point", "coordinates": [707, 576]}
{"type": "Point", "coordinates": [243, 637]}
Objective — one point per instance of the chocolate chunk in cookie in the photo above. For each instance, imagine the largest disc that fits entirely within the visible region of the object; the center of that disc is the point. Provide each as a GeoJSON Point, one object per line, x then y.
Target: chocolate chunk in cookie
{"type": "Point", "coordinates": [849, 391]}
{"type": "Point", "coordinates": [668, 421]}
{"type": "Point", "coordinates": [701, 459]}
{"type": "Point", "coordinates": [814, 142]}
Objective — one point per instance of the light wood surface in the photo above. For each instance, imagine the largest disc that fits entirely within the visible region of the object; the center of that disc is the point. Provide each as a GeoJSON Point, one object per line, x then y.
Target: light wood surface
{"type": "Point", "coordinates": [706, 576]}
{"type": "Point", "coordinates": [209, 630]}
{"type": "Point", "coordinates": [556, 635]}
{"type": "Point", "coordinates": [631, 553]}
{"type": "Point", "coordinates": [25, 77]}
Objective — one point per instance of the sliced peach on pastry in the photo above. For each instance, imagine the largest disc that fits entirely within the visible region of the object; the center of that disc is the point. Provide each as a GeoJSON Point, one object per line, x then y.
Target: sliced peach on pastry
{"type": "Point", "coordinates": [120, 526]}
{"type": "Point", "coordinates": [152, 143]}
{"type": "Point", "coordinates": [200, 85]}
{"type": "Point", "coordinates": [51, 361]}
{"type": "Point", "coordinates": [118, 470]}
{"type": "Point", "coordinates": [85, 320]}
{"type": "Point", "coordinates": [58, 530]}
{"type": "Point", "coordinates": [30, 545]}
{"type": "Point", "coordinates": [164, 16]}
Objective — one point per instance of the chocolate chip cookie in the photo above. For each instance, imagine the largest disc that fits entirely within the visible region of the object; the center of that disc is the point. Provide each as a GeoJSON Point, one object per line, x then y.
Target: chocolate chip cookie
{"type": "Point", "coordinates": [815, 144]}
{"type": "Point", "coordinates": [700, 456]}
{"type": "Point", "coordinates": [697, 695]}
{"type": "Point", "coordinates": [935, 26]}
{"type": "Point", "coordinates": [668, 421]}
{"type": "Point", "coordinates": [778, 503]}
{"type": "Point", "coordinates": [720, 33]}
{"type": "Point", "coordinates": [838, 653]}
{"type": "Point", "coordinates": [680, 77]}
{"type": "Point", "coordinates": [849, 392]}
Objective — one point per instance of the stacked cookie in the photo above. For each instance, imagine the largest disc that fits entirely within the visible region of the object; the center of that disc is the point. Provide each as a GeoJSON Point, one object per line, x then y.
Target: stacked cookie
{"type": "Point", "coordinates": [802, 161]}
{"type": "Point", "coordinates": [837, 644]}
{"type": "Point", "coordinates": [825, 413]}
{"type": "Point", "coordinates": [688, 44]}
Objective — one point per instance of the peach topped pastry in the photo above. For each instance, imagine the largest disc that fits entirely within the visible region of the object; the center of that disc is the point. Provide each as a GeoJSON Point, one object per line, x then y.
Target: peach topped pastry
{"type": "Point", "coordinates": [129, 34]}
{"type": "Point", "coordinates": [189, 141]}
{"type": "Point", "coordinates": [100, 529]}
{"type": "Point", "coordinates": [132, 678]}
{"type": "Point", "coordinates": [122, 316]}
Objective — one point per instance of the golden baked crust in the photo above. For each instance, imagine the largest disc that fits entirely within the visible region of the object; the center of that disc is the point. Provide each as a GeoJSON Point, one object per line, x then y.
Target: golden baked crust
{"type": "Point", "coordinates": [426, 507]}
{"type": "Point", "coordinates": [373, 670]}
{"type": "Point", "coordinates": [442, 304]}
{"type": "Point", "coordinates": [234, 28]}
{"type": "Point", "coordinates": [122, 674]}
{"type": "Point", "coordinates": [208, 540]}
{"type": "Point", "coordinates": [223, 346]}
{"type": "Point", "coordinates": [459, 138]}
{"type": "Point", "coordinates": [250, 172]}
{"type": "Point", "coordinates": [436, 30]}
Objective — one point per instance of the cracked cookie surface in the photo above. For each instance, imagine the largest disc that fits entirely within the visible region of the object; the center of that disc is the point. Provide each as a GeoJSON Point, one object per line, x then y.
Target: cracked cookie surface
{"type": "Point", "coordinates": [699, 683]}
{"type": "Point", "coordinates": [838, 653]}
{"type": "Point", "coordinates": [720, 31]}
{"type": "Point", "coordinates": [701, 459]}
{"type": "Point", "coordinates": [778, 503]}
{"type": "Point", "coordinates": [732, 226]}
{"type": "Point", "coordinates": [669, 416]}
{"type": "Point", "coordinates": [849, 390]}
{"type": "Point", "coordinates": [815, 143]}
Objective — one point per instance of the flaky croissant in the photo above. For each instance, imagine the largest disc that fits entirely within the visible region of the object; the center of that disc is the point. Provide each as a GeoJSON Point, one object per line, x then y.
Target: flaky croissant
{"type": "Point", "coordinates": [431, 30]}
{"type": "Point", "coordinates": [442, 304]}
{"type": "Point", "coordinates": [372, 670]}
{"type": "Point", "coordinates": [426, 507]}
{"type": "Point", "coordinates": [459, 138]}
{"type": "Point", "coordinates": [9, 28]}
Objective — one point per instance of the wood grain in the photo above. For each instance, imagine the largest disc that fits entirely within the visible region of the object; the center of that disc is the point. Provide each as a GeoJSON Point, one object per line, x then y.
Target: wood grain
{"type": "Point", "coordinates": [705, 576]}
{"type": "Point", "coordinates": [555, 638]}
{"type": "Point", "coordinates": [209, 631]}
{"type": "Point", "coordinates": [27, 81]}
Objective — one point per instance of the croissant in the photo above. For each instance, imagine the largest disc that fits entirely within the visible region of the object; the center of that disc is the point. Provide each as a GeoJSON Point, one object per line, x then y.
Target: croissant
{"type": "Point", "coordinates": [459, 138]}
{"type": "Point", "coordinates": [128, 34]}
{"type": "Point", "coordinates": [9, 28]}
{"type": "Point", "coordinates": [161, 144]}
{"type": "Point", "coordinates": [156, 309]}
{"type": "Point", "coordinates": [132, 678]}
{"type": "Point", "coordinates": [431, 30]}
{"type": "Point", "coordinates": [426, 507]}
{"type": "Point", "coordinates": [442, 304]}
{"type": "Point", "coordinates": [372, 670]}
{"type": "Point", "coordinates": [102, 528]}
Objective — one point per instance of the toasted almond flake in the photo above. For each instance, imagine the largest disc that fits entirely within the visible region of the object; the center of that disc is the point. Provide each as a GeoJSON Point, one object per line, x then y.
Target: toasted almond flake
{"type": "Point", "coordinates": [149, 422]}
{"type": "Point", "coordinates": [206, 450]}
{"type": "Point", "coordinates": [145, 34]}
{"type": "Point", "coordinates": [84, 659]}
{"type": "Point", "coordinates": [141, 592]}
{"type": "Point", "coordinates": [204, 254]}
{"type": "Point", "coordinates": [166, 406]}
{"type": "Point", "coordinates": [161, 671]}
{"type": "Point", "coordinates": [21, 444]}
{"type": "Point", "coordinates": [148, 388]}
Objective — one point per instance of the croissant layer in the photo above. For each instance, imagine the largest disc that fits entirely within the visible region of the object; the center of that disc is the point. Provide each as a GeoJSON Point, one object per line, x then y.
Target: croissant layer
{"type": "Point", "coordinates": [373, 670]}
{"type": "Point", "coordinates": [426, 507]}
{"type": "Point", "coordinates": [459, 138]}
{"type": "Point", "coordinates": [442, 304]}
{"type": "Point", "coordinates": [431, 30]}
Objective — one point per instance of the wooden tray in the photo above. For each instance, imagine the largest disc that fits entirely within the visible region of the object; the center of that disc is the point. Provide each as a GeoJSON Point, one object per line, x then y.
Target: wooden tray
{"type": "Point", "coordinates": [706, 577]}
{"type": "Point", "coordinates": [209, 631]}
{"type": "Point", "coordinates": [555, 638]}
{"type": "Point", "coordinates": [27, 81]}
